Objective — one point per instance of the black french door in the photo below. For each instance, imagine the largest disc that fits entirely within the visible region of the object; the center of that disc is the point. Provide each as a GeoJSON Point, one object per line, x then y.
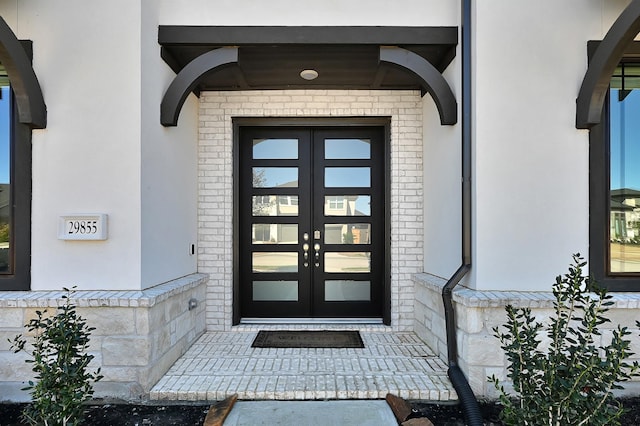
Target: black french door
{"type": "Point", "coordinates": [311, 230]}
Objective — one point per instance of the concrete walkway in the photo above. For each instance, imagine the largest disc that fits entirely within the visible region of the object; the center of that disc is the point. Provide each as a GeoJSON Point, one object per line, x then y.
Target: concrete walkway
{"type": "Point", "coordinates": [221, 364]}
{"type": "Point", "coordinates": [311, 413]}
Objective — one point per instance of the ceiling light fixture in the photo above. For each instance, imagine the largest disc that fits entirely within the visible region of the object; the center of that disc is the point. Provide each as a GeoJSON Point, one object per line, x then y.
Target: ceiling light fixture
{"type": "Point", "coordinates": [309, 74]}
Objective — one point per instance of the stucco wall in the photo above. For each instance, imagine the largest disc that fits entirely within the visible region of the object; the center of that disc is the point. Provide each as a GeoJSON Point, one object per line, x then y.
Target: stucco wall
{"type": "Point", "coordinates": [307, 12]}
{"type": "Point", "coordinates": [104, 150]}
{"type": "Point", "coordinates": [169, 169]}
{"type": "Point", "coordinates": [530, 177]}
{"type": "Point", "coordinates": [442, 188]}
{"type": "Point", "coordinates": [530, 164]}
{"type": "Point", "coordinates": [87, 160]}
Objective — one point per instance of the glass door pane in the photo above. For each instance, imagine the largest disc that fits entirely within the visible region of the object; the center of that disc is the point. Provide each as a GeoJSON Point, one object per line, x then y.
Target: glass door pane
{"type": "Point", "coordinates": [311, 240]}
{"type": "Point", "coordinates": [6, 100]}
{"type": "Point", "coordinates": [349, 193]}
{"type": "Point", "coordinates": [274, 213]}
{"type": "Point", "coordinates": [624, 215]}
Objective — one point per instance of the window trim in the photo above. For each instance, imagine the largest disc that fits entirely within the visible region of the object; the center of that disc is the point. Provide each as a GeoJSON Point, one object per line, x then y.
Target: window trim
{"type": "Point", "coordinates": [28, 111]}
{"type": "Point", "coordinates": [20, 240]}
{"type": "Point", "coordinates": [599, 202]}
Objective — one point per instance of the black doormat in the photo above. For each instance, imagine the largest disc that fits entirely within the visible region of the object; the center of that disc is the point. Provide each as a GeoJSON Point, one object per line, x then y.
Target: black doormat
{"type": "Point", "coordinates": [308, 339]}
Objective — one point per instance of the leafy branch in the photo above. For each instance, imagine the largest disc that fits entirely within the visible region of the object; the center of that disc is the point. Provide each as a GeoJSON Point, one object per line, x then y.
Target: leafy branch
{"type": "Point", "coordinates": [60, 363]}
{"type": "Point", "coordinates": [571, 383]}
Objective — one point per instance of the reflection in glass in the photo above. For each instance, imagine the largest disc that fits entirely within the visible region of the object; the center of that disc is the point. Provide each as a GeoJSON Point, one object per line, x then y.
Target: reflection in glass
{"type": "Point", "coordinates": [347, 233]}
{"type": "Point", "coordinates": [274, 233]}
{"type": "Point", "coordinates": [5, 182]}
{"type": "Point", "coordinates": [359, 177]}
{"type": "Point", "coordinates": [274, 262]}
{"type": "Point", "coordinates": [352, 149]}
{"type": "Point", "coordinates": [344, 290]}
{"type": "Point", "coordinates": [275, 149]}
{"type": "Point", "coordinates": [347, 205]}
{"type": "Point", "coordinates": [283, 291]}
{"type": "Point", "coordinates": [273, 177]}
{"type": "Point", "coordinates": [347, 262]}
{"type": "Point", "coordinates": [624, 214]}
{"type": "Point", "coordinates": [274, 205]}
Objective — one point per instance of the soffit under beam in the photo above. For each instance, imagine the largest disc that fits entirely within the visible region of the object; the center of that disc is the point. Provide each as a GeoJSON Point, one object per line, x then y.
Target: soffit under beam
{"type": "Point", "coordinates": [272, 57]}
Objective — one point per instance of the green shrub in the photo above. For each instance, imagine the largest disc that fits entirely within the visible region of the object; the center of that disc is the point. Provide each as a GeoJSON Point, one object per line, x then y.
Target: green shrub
{"type": "Point", "coordinates": [60, 363]}
{"type": "Point", "coordinates": [570, 379]}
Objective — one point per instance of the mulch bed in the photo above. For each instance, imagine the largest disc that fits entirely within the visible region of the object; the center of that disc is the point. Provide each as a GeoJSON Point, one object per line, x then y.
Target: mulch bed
{"type": "Point", "coordinates": [187, 415]}
{"type": "Point", "coordinates": [451, 415]}
{"type": "Point", "coordinates": [123, 415]}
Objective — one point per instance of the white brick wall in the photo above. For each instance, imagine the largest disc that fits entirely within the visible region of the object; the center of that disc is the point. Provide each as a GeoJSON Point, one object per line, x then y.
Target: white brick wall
{"type": "Point", "coordinates": [216, 181]}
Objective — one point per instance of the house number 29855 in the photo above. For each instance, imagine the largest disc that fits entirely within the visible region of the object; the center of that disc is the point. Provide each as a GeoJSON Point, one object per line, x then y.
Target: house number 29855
{"type": "Point", "coordinates": [82, 226]}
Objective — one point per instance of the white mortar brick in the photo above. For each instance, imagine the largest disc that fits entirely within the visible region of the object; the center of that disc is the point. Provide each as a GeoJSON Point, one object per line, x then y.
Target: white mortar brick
{"type": "Point", "coordinates": [215, 178]}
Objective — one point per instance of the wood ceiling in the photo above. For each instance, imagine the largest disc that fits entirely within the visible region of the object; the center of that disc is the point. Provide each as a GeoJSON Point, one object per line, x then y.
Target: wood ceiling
{"type": "Point", "coordinates": [272, 57]}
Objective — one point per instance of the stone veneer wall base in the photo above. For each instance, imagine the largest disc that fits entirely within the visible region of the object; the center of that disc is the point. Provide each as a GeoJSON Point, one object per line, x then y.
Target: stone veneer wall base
{"type": "Point", "coordinates": [478, 312]}
{"type": "Point", "coordinates": [138, 334]}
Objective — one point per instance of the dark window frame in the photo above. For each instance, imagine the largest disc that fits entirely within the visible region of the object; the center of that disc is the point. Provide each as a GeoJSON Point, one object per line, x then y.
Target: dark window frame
{"type": "Point", "coordinates": [239, 122]}
{"type": "Point", "coordinates": [28, 112]}
{"type": "Point", "coordinates": [19, 277]}
{"type": "Point", "coordinates": [599, 196]}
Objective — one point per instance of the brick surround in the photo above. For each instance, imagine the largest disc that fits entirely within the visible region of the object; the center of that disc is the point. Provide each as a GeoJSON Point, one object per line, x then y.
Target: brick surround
{"type": "Point", "coordinates": [215, 180]}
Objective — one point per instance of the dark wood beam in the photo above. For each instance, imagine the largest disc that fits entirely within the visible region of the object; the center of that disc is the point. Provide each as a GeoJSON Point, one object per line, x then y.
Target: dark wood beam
{"type": "Point", "coordinates": [608, 54]}
{"type": "Point", "coordinates": [28, 94]}
{"type": "Point", "coordinates": [432, 81]}
{"type": "Point", "coordinates": [187, 80]}
{"type": "Point", "coordinates": [245, 35]}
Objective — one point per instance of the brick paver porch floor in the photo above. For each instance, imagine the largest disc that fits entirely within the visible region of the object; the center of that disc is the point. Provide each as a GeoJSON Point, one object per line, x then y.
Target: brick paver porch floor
{"type": "Point", "coordinates": [220, 364]}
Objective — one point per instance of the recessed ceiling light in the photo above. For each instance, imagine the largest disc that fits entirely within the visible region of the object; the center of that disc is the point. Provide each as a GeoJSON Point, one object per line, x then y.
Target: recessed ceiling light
{"type": "Point", "coordinates": [309, 74]}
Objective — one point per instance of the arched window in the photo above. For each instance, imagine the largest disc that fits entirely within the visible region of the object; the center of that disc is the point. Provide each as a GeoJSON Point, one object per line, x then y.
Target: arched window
{"type": "Point", "coordinates": [615, 183]}
{"type": "Point", "coordinates": [15, 193]}
{"type": "Point", "coordinates": [22, 109]}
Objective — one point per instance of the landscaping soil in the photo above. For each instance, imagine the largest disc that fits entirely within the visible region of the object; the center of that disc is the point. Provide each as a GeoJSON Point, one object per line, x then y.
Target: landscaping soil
{"type": "Point", "coordinates": [123, 415]}
{"type": "Point", "coordinates": [451, 415]}
{"type": "Point", "coordinates": [194, 414]}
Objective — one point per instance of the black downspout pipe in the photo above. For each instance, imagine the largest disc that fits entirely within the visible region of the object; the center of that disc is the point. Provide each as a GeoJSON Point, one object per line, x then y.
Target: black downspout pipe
{"type": "Point", "coordinates": [470, 407]}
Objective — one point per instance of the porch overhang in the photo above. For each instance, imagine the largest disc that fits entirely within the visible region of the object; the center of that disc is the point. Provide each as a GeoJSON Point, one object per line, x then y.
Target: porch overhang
{"type": "Point", "coordinates": [261, 58]}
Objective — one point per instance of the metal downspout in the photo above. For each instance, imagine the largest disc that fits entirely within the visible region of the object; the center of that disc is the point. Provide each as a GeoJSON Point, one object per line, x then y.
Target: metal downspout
{"type": "Point", "coordinates": [469, 403]}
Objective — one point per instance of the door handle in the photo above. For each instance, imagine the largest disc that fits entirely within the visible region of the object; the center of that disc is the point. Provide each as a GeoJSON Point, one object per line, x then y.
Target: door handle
{"type": "Point", "coordinates": [305, 249]}
{"type": "Point", "coordinates": [316, 247]}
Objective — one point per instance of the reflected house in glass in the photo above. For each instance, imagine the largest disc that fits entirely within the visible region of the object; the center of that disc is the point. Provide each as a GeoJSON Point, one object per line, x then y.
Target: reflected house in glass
{"type": "Point", "coordinates": [625, 231]}
{"type": "Point", "coordinates": [287, 205]}
{"type": "Point", "coordinates": [625, 215]}
{"type": "Point", "coordinates": [5, 219]}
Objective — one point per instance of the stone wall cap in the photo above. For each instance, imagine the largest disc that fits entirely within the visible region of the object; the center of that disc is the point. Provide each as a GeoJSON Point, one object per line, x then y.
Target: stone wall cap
{"type": "Point", "coordinates": [520, 299]}
{"type": "Point", "coordinates": [103, 298]}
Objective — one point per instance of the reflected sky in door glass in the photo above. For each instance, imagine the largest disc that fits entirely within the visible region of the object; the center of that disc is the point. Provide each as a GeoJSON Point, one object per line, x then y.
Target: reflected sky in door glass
{"type": "Point", "coordinates": [356, 177]}
{"type": "Point", "coordinates": [276, 149]}
{"type": "Point", "coordinates": [352, 149]}
{"type": "Point", "coordinates": [272, 177]}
